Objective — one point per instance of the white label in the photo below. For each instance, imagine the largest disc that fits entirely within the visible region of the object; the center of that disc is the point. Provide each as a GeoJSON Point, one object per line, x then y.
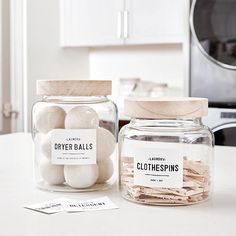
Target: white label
{"type": "Point", "coordinates": [69, 205]}
{"type": "Point", "coordinates": [73, 146]}
{"type": "Point", "coordinates": [158, 167]}
{"type": "Point", "coordinates": [49, 207]}
{"type": "Point", "coordinates": [169, 154]}
{"type": "Point", "coordinates": [103, 203]}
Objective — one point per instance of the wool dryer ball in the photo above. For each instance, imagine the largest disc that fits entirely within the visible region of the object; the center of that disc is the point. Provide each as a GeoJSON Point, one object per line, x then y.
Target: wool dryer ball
{"type": "Point", "coordinates": [46, 145]}
{"type": "Point", "coordinates": [52, 174]}
{"type": "Point", "coordinates": [105, 144]}
{"type": "Point", "coordinates": [81, 117]}
{"type": "Point", "coordinates": [48, 118]}
{"type": "Point", "coordinates": [81, 176]}
{"type": "Point", "coordinates": [105, 171]}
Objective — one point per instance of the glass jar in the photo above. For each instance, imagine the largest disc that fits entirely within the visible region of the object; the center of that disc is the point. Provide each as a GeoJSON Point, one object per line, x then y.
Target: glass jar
{"type": "Point", "coordinates": [74, 133]}
{"type": "Point", "coordinates": [151, 89]}
{"type": "Point", "coordinates": [127, 87]}
{"type": "Point", "coordinates": [165, 152]}
{"type": "Point", "coordinates": [159, 90]}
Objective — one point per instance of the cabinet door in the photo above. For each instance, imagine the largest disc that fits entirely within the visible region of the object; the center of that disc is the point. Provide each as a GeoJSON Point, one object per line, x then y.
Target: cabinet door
{"type": "Point", "coordinates": [155, 21]}
{"type": "Point", "coordinates": [91, 22]}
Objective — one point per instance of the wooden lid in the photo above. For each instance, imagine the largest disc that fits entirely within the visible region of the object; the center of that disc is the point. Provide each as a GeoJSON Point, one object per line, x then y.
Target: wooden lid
{"type": "Point", "coordinates": [74, 87]}
{"type": "Point", "coordinates": [152, 108]}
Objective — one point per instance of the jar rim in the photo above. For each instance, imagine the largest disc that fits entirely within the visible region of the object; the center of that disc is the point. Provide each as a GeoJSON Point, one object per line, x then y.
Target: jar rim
{"type": "Point", "coordinates": [166, 107]}
{"type": "Point", "coordinates": [74, 87]}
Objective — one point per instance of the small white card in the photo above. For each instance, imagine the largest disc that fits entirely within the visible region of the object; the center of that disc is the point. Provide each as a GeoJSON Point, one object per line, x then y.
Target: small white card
{"type": "Point", "coordinates": [97, 204]}
{"type": "Point", "coordinates": [68, 205]}
{"type": "Point", "coordinates": [49, 207]}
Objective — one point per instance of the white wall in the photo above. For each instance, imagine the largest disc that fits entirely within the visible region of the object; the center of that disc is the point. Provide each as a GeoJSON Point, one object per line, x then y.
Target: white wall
{"type": "Point", "coordinates": [46, 60]}
{"type": "Point", "coordinates": [160, 63]}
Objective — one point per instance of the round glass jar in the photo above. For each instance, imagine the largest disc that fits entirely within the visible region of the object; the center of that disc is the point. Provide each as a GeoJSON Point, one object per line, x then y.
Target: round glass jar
{"type": "Point", "coordinates": [74, 132]}
{"type": "Point", "coordinates": [165, 152]}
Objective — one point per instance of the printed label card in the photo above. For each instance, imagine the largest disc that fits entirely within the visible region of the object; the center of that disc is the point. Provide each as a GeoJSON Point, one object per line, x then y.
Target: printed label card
{"type": "Point", "coordinates": [97, 204]}
{"type": "Point", "coordinates": [48, 207]}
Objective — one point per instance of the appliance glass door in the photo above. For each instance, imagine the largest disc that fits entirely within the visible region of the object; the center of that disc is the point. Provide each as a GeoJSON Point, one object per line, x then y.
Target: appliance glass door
{"type": "Point", "coordinates": [225, 135]}
{"type": "Point", "coordinates": [213, 24]}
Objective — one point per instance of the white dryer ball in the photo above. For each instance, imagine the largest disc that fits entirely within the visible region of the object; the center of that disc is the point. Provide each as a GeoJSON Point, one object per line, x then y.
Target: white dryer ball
{"type": "Point", "coordinates": [81, 117]}
{"type": "Point", "coordinates": [52, 174]}
{"type": "Point", "coordinates": [105, 171]}
{"type": "Point", "coordinates": [81, 176]}
{"type": "Point", "coordinates": [46, 145]}
{"type": "Point", "coordinates": [105, 144]}
{"type": "Point", "coordinates": [48, 118]}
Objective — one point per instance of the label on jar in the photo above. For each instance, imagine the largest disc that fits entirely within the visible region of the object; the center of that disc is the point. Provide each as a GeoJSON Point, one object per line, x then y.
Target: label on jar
{"type": "Point", "coordinates": [156, 164]}
{"type": "Point", "coordinates": [73, 146]}
{"type": "Point", "coordinates": [158, 167]}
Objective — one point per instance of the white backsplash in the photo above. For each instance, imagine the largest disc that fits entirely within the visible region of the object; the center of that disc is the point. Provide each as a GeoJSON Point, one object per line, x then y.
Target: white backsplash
{"type": "Point", "coordinates": [160, 63]}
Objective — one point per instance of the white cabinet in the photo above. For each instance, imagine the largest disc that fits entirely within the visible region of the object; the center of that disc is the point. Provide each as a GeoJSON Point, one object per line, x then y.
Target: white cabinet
{"type": "Point", "coordinates": [91, 22]}
{"type": "Point", "coordinates": [155, 21]}
{"type": "Point", "coordinates": [122, 22]}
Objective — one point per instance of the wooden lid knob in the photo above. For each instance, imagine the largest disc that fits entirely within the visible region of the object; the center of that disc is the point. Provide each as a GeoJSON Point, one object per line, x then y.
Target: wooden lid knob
{"type": "Point", "coordinates": [152, 108]}
{"type": "Point", "coordinates": [74, 87]}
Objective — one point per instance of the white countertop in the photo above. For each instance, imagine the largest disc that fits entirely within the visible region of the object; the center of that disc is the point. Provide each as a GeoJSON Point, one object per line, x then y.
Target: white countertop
{"type": "Point", "coordinates": [215, 217]}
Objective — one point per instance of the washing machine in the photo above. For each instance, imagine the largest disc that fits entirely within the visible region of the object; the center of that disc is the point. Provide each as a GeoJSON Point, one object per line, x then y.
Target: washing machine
{"type": "Point", "coordinates": [213, 64]}
{"type": "Point", "coordinates": [222, 121]}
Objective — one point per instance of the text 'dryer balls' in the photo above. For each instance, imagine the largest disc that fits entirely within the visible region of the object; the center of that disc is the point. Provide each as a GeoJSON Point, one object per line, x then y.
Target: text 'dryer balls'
{"type": "Point", "coordinates": [165, 152]}
{"type": "Point", "coordinates": [74, 132]}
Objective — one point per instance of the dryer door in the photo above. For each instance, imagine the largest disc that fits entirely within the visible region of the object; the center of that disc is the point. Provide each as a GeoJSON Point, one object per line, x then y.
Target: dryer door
{"type": "Point", "coordinates": [213, 25]}
{"type": "Point", "coordinates": [225, 135]}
